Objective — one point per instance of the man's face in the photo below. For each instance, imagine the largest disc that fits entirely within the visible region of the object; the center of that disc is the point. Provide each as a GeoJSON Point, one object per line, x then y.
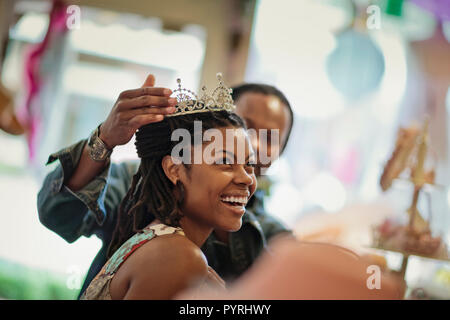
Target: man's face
{"type": "Point", "coordinates": [261, 111]}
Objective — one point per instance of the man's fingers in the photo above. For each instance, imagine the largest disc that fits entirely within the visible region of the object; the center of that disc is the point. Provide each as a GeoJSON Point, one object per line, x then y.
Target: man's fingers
{"type": "Point", "coordinates": [145, 91]}
{"type": "Point", "coordinates": [146, 101]}
{"type": "Point", "coordinates": [129, 114]}
{"type": "Point", "coordinates": [143, 119]}
{"type": "Point", "coordinates": [149, 81]}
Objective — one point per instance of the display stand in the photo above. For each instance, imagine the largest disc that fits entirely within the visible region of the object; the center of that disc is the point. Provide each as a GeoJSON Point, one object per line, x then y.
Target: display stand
{"type": "Point", "coordinates": [414, 238]}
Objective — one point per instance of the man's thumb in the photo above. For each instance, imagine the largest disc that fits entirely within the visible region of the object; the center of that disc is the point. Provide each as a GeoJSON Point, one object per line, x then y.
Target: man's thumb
{"type": "Point", "coordinates": [150, 81]}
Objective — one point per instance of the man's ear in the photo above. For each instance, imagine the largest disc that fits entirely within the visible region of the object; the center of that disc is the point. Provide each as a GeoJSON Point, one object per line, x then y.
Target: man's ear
{"type": "Point", "coordinates": [171, 169]}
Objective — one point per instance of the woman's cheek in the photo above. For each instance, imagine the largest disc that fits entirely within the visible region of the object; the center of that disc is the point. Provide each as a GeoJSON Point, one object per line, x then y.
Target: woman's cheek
{"type": "Point", "coordinates": [254, 185]}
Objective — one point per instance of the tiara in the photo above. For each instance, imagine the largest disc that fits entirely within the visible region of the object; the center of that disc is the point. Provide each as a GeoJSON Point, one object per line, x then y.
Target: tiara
{"type": "Point", "coordinates": [188, 102]}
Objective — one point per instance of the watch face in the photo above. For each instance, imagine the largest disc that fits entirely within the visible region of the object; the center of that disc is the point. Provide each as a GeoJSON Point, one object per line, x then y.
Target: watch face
{"type": "Point", "coordinates": [98, 150]}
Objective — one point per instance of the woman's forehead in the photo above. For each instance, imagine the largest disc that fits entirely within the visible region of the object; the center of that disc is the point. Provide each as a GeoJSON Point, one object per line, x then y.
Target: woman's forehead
{"type": "Point", "coordinates": [229, 136]}
{"type": "Point", "coordinates": [229, 140]}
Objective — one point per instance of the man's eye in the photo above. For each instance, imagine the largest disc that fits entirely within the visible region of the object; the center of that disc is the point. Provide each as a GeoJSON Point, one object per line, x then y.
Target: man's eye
{"type": "Point", "coordinates": [251, 164]}
{"type": "Point", "coordinates": [227, 161]}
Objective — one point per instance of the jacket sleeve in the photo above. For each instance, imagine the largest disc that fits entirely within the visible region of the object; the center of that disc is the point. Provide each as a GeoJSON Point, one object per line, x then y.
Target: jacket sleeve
{"type": "Point", "coordinates": [89, 210]}
{"type": "Point", "coordinates": [271, 226]}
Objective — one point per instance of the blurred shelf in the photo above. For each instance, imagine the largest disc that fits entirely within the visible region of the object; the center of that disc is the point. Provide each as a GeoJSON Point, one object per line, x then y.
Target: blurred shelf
{"type": "Point", "coordinates": [405, 253]}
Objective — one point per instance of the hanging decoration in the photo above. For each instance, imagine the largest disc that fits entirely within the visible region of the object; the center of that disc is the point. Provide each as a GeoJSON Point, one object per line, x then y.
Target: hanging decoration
{"type": "Point", "coordinates": [30, 115]}
{"type": "Point", "coordinates": [440, 8]}
{"type": "Point", "coordinates": [356, 65]}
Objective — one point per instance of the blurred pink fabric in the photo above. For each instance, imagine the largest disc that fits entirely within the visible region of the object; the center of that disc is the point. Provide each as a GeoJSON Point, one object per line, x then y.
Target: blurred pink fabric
{"type": "Point", "coordinates": [30, 114]}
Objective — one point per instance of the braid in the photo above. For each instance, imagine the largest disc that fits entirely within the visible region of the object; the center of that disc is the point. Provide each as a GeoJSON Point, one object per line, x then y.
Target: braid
{"type": "Point", "coordinates": [152, 194]}
{"type": "Point", "coordinates": [123, 226]}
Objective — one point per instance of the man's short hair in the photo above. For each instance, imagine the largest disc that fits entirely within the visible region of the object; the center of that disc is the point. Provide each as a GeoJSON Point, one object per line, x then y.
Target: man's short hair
{"type": "Point", "coordinates": [267, 90]}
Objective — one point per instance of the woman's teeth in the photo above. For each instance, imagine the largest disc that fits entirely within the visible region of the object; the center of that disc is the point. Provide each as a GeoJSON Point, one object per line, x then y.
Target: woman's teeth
{"type": "Point", "coordinates": [236, 200]}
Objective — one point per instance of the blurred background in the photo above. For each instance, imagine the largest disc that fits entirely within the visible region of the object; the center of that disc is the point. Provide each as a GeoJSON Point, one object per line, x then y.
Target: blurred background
{"type": "Point", "coordinates": [354, 72]}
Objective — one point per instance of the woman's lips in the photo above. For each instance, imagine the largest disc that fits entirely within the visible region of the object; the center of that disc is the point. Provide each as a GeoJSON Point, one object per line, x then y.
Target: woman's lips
{"type": "Point", "coordinates": [238, 209]}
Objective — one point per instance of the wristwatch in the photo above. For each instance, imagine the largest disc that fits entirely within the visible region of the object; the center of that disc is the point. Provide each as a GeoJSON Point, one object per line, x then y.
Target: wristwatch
{"type": "Point", "coordinates": [97, 148]}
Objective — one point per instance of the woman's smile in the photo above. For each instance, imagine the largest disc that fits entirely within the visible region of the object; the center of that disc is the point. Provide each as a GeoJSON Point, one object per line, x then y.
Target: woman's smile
{"type": "Point", "coordinates": [235, 208]}
{"type": "Point", "coordinates": [235, 202]}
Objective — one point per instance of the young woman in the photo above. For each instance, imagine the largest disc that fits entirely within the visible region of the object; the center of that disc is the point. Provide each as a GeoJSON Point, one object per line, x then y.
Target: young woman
{"type": "Point", "coordinates": [172, 207]}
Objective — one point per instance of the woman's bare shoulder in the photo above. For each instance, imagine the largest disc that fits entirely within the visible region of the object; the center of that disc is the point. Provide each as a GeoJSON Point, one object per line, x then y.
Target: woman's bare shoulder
{"type": "Point", "coordinates": [173, 246]}
{"type": "Point", "coordinates": [164, 266]}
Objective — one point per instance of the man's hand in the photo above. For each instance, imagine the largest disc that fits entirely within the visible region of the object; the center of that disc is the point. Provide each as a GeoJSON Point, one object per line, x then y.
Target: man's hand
{"type": "Point", "coordinates": [134, 109]}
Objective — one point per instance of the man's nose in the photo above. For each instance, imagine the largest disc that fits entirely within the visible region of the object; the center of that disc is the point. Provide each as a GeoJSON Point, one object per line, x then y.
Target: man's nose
{"type": "Point", "coordinates": [254, 140]}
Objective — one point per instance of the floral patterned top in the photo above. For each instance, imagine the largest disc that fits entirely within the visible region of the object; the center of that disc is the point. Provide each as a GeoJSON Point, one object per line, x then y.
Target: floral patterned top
{"type": "Point", "coordinates": [98, 289]}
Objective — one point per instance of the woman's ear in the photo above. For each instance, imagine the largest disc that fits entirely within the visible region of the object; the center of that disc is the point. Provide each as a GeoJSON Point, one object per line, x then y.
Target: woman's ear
{"type": "Point", "coordinates": [171, 169]}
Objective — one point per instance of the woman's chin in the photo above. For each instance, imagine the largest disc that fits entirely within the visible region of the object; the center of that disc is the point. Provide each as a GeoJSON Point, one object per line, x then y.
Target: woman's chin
{"type": "Point", "coordinates": [235, 226]}
{"type": "Point", "coordinates": [229, 225]}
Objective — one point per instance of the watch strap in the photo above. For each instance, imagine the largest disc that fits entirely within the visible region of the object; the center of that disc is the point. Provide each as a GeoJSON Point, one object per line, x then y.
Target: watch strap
{"type": "Point", "coordinates": [97, 148]}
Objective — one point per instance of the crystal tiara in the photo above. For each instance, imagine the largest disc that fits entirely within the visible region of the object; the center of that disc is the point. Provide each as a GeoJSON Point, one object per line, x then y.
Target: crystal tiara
{"type": "Point", "coordinates": [188, 102]}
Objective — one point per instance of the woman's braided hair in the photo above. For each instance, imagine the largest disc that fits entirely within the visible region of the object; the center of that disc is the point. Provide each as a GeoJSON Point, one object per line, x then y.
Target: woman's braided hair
{"type": "Point", "coordinates": [152, 195]}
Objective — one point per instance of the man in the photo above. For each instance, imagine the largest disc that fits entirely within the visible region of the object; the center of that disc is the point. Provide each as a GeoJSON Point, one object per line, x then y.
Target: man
{"type": "Point", "coordinates": [82, 195]}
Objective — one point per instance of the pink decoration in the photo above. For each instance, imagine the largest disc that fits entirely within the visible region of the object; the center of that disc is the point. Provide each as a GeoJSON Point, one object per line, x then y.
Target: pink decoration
{"type": "Point", "coordinates": [30, 114]}
{"type": "Point", "coordinates": [345, 165]}
{"type": "Point", "coordinates": [440, 8]}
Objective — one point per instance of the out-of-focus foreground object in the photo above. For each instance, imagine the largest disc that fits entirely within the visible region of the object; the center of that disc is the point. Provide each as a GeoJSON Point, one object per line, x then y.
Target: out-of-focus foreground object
{"type": "Point", "coordinates": [295, 270]}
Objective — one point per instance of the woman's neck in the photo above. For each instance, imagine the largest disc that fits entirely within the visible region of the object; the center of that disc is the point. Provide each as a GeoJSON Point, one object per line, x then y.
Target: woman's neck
{"type": "Point", "coordinates": [193, 231]}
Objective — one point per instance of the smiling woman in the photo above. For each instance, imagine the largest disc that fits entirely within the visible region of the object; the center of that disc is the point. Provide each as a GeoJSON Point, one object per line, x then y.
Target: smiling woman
{"type": "Point", "coordinates": [176, 205]}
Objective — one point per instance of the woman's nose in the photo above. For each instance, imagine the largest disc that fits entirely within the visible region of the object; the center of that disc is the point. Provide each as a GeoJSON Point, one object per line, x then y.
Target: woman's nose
{"type": "Point", "coordinates": [243, 177]}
